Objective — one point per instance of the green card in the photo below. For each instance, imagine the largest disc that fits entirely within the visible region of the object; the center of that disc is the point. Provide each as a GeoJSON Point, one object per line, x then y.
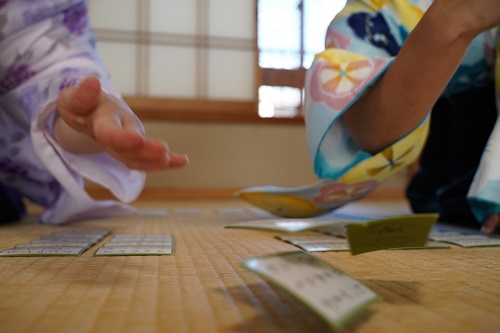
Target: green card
{"type": "Point", "coordinates": [390, 233]}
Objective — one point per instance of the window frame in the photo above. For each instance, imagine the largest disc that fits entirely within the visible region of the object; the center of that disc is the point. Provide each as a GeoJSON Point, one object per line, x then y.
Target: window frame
{"type": "Point", "coordinates": [212, 110]}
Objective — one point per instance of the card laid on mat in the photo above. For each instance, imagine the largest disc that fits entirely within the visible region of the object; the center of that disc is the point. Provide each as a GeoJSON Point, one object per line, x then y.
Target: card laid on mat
{"type": "Point", "coordinates": [137, 245]}
{"type": "Point", "coordinates": [289, 225]}
{"type": "Point", "coordinates": [466, 239]}
{"type": "Point", "coordinates": [59, 243]}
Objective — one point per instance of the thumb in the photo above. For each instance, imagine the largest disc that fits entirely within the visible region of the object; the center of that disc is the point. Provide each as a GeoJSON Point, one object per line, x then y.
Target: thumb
{"type": "Point", "coordinates": [77, 102]}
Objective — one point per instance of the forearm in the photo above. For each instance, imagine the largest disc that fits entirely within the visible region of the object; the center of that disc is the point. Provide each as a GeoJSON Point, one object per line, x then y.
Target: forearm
{"type": "Point", "coordinates": [405, 94]}
{"type": "Point", "coordinates": [72, 140]}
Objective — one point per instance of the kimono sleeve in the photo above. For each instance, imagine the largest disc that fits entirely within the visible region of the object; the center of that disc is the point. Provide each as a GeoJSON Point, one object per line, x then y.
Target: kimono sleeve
{"type": "Point", "coordinates": [361, 43]}
{"type": "Point", "coordinates": [49, 46]}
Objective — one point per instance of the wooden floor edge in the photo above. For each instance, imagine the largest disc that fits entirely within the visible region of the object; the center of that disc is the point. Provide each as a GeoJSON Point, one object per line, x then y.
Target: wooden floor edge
{"type": "Point", "coordinates": [170, 193]}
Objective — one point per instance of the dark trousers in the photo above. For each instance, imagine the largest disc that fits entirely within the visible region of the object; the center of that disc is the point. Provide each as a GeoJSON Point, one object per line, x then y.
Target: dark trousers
{"type": "Point", "coordinates": [459, 129]}
{"type": "Point", "coordinates": [11, 205]}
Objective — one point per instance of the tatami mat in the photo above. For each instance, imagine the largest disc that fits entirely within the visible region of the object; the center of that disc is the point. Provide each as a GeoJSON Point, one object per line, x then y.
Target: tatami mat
{"type": "Point", "coordinates": [203, 288]}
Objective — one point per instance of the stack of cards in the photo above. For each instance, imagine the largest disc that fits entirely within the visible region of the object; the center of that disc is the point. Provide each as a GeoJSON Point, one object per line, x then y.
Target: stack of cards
{"type": "Point", "coordinates": [137, 245]}
{"type": "Point", "coordinates": [60, 243]}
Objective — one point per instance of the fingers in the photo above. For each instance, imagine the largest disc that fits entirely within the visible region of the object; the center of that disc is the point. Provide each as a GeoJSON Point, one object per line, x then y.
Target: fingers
{"type": "Point", "coordinates": [178, 160]}
{"type": "Point", "coordinates": [172, 161]}
{"type": "Point", "coordinates": [491, 224]}
{"type": "Point", "coordinates": [148, 155]}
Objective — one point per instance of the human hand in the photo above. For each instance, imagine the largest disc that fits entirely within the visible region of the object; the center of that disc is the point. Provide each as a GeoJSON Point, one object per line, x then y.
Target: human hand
{"type": "Point", "coordinates": [491, 224]}
{"type": "Point", "coordinates": [92, 121]}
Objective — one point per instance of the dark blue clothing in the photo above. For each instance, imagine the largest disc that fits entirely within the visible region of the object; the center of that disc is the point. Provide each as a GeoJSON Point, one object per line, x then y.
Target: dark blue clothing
{"type": "Point", "coordinates": [459, 129]}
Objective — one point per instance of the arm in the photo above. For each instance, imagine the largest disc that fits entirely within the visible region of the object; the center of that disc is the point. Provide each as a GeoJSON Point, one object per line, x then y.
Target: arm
{"type": "Point", "coordinates": [420, 72]}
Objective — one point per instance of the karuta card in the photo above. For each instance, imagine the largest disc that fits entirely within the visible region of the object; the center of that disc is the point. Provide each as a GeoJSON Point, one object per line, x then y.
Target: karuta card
{"type": "Point", "coordinates": [59, 243]}
{"type": "Point", "coordinates": [138, 245]}
{"type": "Point", "coordinates": [337, 245]}
{"type": "Point", "coordinates": [134, 250]}
{"type": "Point", "coordinates": [305, 238]}
{"type": "Point", "coordinates": [428, 246]}
{"type": "Point", "coordinates": [43, 251]}
{"type": "Point", "coordinates": [463, 237]}
{"type": "Point", "coordinates": [469, 240]}
{"type": "Point", "coordinates": [187, 211]}
{"type": "Point", "coordinates": [285, 224]}
{"type": "Point", "coordinates": [390, 233]}
{"type": "Point", "coordinates": [152, 212]}
{"type": "Point", "coordinates": [333, 295]}
{"type": "Point", "coordinates": [317, 243]}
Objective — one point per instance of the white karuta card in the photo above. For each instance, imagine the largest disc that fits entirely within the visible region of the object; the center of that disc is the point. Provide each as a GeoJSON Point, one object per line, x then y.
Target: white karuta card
{"type": "Point", "coordinates": [465, 239]}
{"type": "Point", "coordinates": [473, 241]}
{"type": "Point", "coordinates": [142, 236]}
{"type": "Point", "coordinates": [323, 246]}
{"type": "Point", "coordinates": [152, 212]}
{"type": "Point", "coordinates": [284, 224]}
{"type": "Point", "coordinates": [54, 244]}
{"type": "Point", "coordinates": [332, 294]}
{"type": "Point", "coordinates": [43, 251]}
{"type": "Point", "coordinates": [187, 211]}
{"type": "Point", "coordinates": [133, 250]}
{"type": "Point", "coordinates": [137, 244]}
{"type": "Point", "coordinates": [306, 238]}
{"type": "Point", "coordinates": [58, 243]}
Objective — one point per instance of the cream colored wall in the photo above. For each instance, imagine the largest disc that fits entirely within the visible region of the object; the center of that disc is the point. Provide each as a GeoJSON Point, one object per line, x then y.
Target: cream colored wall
{"type": "Point", "coordinates": [237, 155]}
{"type": "Point", "coordinates": [229, 155]}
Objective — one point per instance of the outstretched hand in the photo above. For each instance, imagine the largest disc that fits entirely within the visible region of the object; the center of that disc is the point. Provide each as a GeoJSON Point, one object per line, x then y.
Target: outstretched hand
{"type": "Point", "coordinates": [91, 121]}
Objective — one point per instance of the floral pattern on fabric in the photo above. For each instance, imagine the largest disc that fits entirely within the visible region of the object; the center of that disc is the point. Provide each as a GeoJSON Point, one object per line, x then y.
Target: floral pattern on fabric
{"type": "Point", "coordinates": [375, 30]}
{"type": "Point", "coordinates": [47, 46]}
{"type": "Point", "coordinates": [336, 195]}
{"type": "Point", "coordinates": [390, 161]}
{"type": "Point", "coordinates": [335, 84]}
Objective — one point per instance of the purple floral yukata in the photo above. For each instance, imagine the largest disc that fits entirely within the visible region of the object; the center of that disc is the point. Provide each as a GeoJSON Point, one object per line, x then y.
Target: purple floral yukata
{"type": "Point", "coordinates": [46, 46]}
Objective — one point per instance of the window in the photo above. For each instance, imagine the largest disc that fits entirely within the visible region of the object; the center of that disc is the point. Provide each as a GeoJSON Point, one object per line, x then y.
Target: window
{"type": "Point", "coordinates": [191, 58]}
{"type": "Point", "coordinates": [290, 33]}
{"type": "Point", "coordinates": [222, 60]}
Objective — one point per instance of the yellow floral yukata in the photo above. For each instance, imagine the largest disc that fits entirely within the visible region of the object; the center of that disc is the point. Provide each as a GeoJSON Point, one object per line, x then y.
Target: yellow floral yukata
{"type": "Point", "coordinates": [361, 43]}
